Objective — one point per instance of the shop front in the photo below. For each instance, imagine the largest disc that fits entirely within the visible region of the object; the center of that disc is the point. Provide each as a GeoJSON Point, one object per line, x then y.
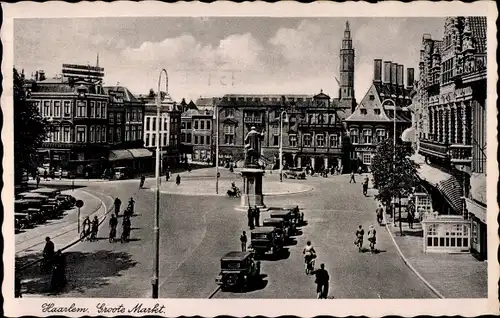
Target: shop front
{"type": "Point", "coordinates": [446, 234]}
{"type": "Point", "coordinates": [476, 208]}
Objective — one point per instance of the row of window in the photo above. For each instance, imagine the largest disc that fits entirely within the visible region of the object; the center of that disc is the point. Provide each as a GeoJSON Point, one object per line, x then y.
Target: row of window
{"type": "Point", "coordinates": [198, 124]}
{"type": "Point", "coordinates": [367, 135]}
{"type": "Point", "coordinates": [67, 134]}
{"type": "Point", "coordinates": [454, 235]}
{"type": "Point", "coordinates": [266, 99]}
{"type": "Point", "coordinates": [133, 132]}
{"type": "Point", "coordinates": [164, 121]}
{"type": "Point", "coordinates": [133, 115]}
{"type": "Point", "coordinates": [150, 140]}
{"type": "Point", "coordinates": [63, 109]}
{"type": "Point", "coordinates": [198, 140]}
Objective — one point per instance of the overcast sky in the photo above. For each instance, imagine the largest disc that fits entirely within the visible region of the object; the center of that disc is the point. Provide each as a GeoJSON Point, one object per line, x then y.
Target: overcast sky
{"type": "Point", "coordinates": [215, 56]}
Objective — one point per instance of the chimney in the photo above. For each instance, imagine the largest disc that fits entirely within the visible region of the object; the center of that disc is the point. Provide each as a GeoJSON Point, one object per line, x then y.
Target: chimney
{"type": "Point", "coordinates": [41, 75]}
{"type": "Point", "coordinates": [400, 75]}
{"type": "Point", "coordinates": [410, 77]}
{"type": "Point", "coordinates": [394, 73]}
{"type": "Point", "coordinates": [387, 72]}
{"type": "Point", "coordinates": [377, 70]}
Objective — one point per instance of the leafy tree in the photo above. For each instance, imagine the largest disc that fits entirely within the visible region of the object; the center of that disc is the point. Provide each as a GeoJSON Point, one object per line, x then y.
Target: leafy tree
{"type": "Point", "coordinates": [393, 180]}
{"type": "Point", "coordinates": [30, 129]}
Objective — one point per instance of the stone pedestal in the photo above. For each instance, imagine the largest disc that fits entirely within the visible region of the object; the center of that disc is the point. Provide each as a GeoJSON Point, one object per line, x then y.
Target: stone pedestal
{"type": "Point", "coordinates": [252, 188]}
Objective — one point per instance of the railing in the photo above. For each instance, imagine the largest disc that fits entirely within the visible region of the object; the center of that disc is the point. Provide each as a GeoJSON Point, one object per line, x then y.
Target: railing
{"type": "Point", "coordinates": [433, 148]}
{"type": "Point", "coordinates": [461, 153]}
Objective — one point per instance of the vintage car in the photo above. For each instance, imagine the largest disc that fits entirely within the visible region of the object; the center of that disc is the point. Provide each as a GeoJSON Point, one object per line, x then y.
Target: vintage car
{"type": "Point", "coordinates": [36, 214]}
{"type": "Point", "coordinates": [22, 220]}
{"type": "Point", "coordinates": [266, 239]}
{"type": "Point", "coordinates": [294, 173]}
{"type": "Point", "coordinates": [67, 201]}
{"type": "Point", "coordinates": [280, 225]}
{"type": "Point", "coordinates": [49, 192]}
{"type": "Point", "coordinates": [288, 218]}
{"type": "Point", "coordinates": [31, 195]}
{"type": "Point", "coordinates": [238, 271]}
{"type": "Point", "coordinates": [297, 216]}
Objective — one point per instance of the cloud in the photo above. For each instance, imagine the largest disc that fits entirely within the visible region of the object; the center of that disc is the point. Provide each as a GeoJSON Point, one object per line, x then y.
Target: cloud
{"type": "Point", "coordinates": [237, 51]}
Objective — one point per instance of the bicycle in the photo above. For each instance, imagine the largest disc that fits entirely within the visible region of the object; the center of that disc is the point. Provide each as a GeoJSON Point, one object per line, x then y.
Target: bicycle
{"type": "Point", "coordinates": [309, 263]}
{"type": "Point", "coordinates": [112, 235]}
{"type": "Point", "coordinates": [359, 243]}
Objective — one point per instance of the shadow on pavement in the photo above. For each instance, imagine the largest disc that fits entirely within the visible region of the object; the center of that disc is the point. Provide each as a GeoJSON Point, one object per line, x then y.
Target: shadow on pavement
{"type": "Point", "coordinates": [258, 284]}
{"type": "Point", "coordinates": [283, 254]}
{"type": "Point", "coordinates": [83, 271]}
{"type": "Point", "coordinates": [416, 233]}
{"type": "Point", "coordinates": [291, 242]}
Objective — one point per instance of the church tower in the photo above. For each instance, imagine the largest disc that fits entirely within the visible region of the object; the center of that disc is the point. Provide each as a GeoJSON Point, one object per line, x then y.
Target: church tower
{"type": "Point", "coordinates": [346, 91]}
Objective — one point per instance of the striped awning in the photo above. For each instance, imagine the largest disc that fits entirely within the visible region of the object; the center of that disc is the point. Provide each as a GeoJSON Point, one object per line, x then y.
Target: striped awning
{"type": "Point", "coordinates": [140, 153]}
{"type": "Point", "coordinates": [120, 154]}
{"type": "Point", "coordinates": [446, 183]}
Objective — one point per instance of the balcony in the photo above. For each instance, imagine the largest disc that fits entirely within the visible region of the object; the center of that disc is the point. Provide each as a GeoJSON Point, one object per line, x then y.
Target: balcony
{"type": "Point", "coordinates": [433, 148]}
{"type": "Point", "coordinates": [461, 154]}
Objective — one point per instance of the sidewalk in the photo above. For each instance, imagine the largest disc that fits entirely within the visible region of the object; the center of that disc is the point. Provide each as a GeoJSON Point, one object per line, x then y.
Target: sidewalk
{"type": "Point", "coordinates": [452, 275]}
{"type": "Point", "coordinates": [61, 231]}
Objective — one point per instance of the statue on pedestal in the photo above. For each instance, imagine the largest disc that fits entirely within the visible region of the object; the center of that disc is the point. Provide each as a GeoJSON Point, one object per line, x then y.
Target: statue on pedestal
{"type": "Point", "coordinates": [253, 147]}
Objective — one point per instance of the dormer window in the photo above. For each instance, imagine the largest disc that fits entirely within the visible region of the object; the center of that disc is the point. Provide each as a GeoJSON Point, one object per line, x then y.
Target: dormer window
{"type": "Point", "coordinates": [372, 97]}
{"type": "Point", "coordinates": [363, 111]}
{"type": "Point", "coordinates": [377, 111]}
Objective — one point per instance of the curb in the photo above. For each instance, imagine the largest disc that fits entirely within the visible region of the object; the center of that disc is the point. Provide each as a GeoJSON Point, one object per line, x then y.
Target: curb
{"type": "Point", "coordinates": [434, 290]}
{"type": "Point", "coordinates": [78, 238]}
{"type": "Point", "coordinates": [224, 195]}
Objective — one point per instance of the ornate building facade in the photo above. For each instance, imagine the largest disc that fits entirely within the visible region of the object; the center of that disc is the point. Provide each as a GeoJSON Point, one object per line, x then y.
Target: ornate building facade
{"type": "Point", "coordinates": [451, 125]}
{"type": "Point", "coordinates": [75, 106]}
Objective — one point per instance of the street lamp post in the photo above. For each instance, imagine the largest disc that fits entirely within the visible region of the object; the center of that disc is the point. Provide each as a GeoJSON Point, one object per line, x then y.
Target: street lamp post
{"type": "Point", "coordinates": [156, 265]}
{"type": "Point", "coordinates": [393, 159]}
{"type": "Point", "coordinates": [216, 110]}
{"type": "Point", "coordinates": [281, 144]}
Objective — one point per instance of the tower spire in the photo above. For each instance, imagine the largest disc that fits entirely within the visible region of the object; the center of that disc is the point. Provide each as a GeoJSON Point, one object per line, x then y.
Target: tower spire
{"type": "Point", "coordinates": [346, 90]}
{"type": "Point", "coordinates": [97, 62]}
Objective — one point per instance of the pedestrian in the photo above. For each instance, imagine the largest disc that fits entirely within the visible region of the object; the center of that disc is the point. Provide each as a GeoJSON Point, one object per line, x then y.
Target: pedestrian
{"type": "Point", "coordinates": [250, 218]}
{"type": "Point", "coordinates": [60, 173]}
{"type": "Point", "coordinates": [178, 180]}
{"type": "Point", "coordinates": [409, 215]}
{"type": "Point", "coordinates": [37, 181]}
{"type": "Point", "coordinates": [380, 213]}
{"type": "Point", "coordinates": [256, 213]}
{"type": "Point", "coordinates": [322, 282]}
{"type": "Point", "coordinates": [167, 175]}
{"type": "Point", "coordinates": [45, 174]}
{"type": "Point", "coordinates": [352, 177]}
{"type": "Point", "coordinates": [243, 240]}
{"type": "Point", "coordinates": [359, 170]}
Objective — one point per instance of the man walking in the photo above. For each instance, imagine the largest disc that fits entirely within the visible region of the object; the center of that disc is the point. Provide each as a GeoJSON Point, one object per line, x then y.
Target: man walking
{"type": "Point", "coordinates": [243, 240]}
{"type": "Point", "coordinates": [352, 177]}
{"type": "Point", "coordinates": [37, 180]}
{"type": "Point", "coordinates": [322, 281]}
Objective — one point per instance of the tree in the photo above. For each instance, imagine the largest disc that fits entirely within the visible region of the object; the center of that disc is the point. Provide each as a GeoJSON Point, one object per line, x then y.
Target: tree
{"type": "Point", "coordinates": [30, 129]}
{"type": "Point", "coordinates": [393, 178]}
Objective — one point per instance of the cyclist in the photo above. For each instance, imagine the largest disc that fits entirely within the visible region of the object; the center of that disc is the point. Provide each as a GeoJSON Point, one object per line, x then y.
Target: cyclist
{"type": "Point", "coordinates": [372, 237]}
{"type": "Point", "coordinates": [113, 223]}
{"type": "Point", "coordinates": [95, 228]}
{"type": "Point", "coordinates": [309, 256]}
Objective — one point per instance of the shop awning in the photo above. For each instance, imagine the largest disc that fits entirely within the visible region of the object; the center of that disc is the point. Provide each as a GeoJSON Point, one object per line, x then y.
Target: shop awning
{"type": "Point", "coordinates": [140, 153]}
{"type": "Point", "coordinates": [122, 154]}
{"type": "Point", "coordinates": [447, 184]}
{"type": "Point", "coordinates": [476, 209]}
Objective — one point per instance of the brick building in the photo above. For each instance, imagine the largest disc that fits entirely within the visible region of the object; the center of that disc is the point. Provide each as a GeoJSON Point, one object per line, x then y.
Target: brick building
{"type": "Point", "coordinates": [197, 135]}
{"type": "Point", "coordinates": [373, 119]}
{"type": "Point", "coordinates": [75, 105]}
{"type": "Point", "coordinates": [125, 130]}
{"type": "Point", "coordinates": [451, 130]}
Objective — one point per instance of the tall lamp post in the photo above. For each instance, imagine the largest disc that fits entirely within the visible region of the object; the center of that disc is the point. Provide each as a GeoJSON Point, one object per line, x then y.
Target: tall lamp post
{"type": "Point", "coordinates": [393, 158]}
{"type": "Point", "coordinates": [217, 175]}
{"type": "Point", "coordinates": [156, 265]}
{"type": "Point", "coordinates": [281, 143]}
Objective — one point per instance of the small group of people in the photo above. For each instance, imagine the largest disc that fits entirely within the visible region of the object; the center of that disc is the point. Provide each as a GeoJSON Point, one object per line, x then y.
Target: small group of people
{"type": "Point", "coordinates": [128, 211]}
{"type": "Point", "coordinates": [126, 227]}
{"type": "Point", "coordinates": [253, 217]}
{"type": "Point", "coordinates": [322, 279]}
{"type": "Point", "coordinates": [372, 237]}
{"type": "Point", "coordinates": [90, 229]}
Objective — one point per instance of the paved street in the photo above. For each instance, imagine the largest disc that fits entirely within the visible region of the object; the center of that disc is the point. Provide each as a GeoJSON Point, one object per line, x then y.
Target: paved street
{"type": "Point", "coordinates": [196, 231]}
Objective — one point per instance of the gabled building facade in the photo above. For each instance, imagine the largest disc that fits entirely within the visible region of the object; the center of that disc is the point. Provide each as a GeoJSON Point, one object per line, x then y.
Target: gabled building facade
{"type": "Point", "coordinates": [451, 132]}
{"type": "Point", "coordinates": [373, 119]}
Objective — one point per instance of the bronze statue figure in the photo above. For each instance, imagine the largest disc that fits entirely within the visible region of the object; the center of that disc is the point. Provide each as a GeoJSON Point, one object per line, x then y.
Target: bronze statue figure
{"type": "Point", "coordinates": [253, 146]}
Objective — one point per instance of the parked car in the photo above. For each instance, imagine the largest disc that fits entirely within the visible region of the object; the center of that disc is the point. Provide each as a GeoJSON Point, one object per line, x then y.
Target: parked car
{"type": "Point", "coordinates": [238, 271]}
{"type": "Point", "coordinates": [22, 221]}
{"type": "Point", "coordinates": [288, 219]}
{"type": "Point", "coordinates": [280, 225]}
{"type": "Point", "coordinates": [65, 174]}
{"type": "Point", "coordinates": [122, 173]}
{"type": "Point", "coordinates": [294, 173]}
{"type": "Point", "coordinates": [266, 239]}
{"type": "Point", "coordinates": [67, 201]}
